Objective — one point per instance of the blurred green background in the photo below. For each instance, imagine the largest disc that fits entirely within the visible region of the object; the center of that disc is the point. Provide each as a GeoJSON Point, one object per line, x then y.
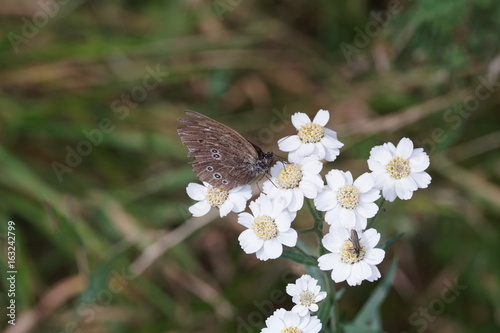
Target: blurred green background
{"type": "Point", "coordinates": [104, 241]}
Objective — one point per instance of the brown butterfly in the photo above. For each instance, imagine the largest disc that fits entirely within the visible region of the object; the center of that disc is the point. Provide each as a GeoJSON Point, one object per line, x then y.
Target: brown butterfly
{"type": "Point", "coordinates": [222, 157]}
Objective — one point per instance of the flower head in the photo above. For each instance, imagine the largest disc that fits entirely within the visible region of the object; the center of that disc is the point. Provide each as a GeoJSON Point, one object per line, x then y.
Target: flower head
{"type": "Point", "coordinates": [234, 200]}
{"type": "Point", "coordinates": [347, 203]}
{"type": "Point", "coordinates": [282, 321]}
{"type": "Point", "coordinates": [305, 293]}
{"type": "Point", "coordinates": [292, 182]}
{"type": "Point", "coordinates": [312, 138]}
{"type": "Point", "coordinates": [351, 260]}
{"type": "Point", "coordinates": [268, 228]}
{"type": "Point", "coordinates": [398, 171]}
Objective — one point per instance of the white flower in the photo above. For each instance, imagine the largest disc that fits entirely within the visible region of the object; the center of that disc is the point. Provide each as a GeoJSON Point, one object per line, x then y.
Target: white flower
{"type": "Point", "coordinates": [291, 182]}
{"type": "Point", "coordinates": [305, 293]}
{"type": "Point", "coordinates": [346, 203]}
{"type": "Point", "coordinates": [349, 262]}
{"type": "Point", "coordinates": [234, 200]}
{"type": "Point", "coordinates": [399, 171]}
{"type": "Point", "coordinates": [312, 138]}
{"type": "Point", "coordinates": [268, 228]}
{"type": "Point", "coordinates": [282, 321]}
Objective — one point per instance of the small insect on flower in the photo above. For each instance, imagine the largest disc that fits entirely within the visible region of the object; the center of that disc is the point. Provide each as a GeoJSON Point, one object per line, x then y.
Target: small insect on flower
{"type": "Point", "coordinates": [355, 242]}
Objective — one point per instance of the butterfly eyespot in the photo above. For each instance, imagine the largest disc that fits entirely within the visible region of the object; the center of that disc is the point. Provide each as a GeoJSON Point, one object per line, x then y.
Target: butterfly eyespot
{"type": "Point", "coordinates": [216, 156]}
{"type": "Point", "coordinates": [225, 182]}
{"type": "Point", "coordinates": [217, 176]}
{"type": "Point", "coordinates": [214, 151]}
{"type": "Point", "coordinates": [209, 168]}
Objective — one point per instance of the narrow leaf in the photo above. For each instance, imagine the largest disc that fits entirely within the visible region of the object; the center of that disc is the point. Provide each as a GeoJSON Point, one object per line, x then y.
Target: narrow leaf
{"type": "Point", "coordinates": [370, 310]}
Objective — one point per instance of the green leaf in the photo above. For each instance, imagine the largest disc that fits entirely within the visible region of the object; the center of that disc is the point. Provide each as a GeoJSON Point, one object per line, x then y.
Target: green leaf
{"type": "Point", "coordinates": [325, 310]}
{"type": "Point", "coordinates": [369, 313]}
{"type": "Point", "coordinates": [299, 257]}
{"type": "Point", "coordinates": [388, 243]}
{"type": "Point", "coordinates": [357, 328]}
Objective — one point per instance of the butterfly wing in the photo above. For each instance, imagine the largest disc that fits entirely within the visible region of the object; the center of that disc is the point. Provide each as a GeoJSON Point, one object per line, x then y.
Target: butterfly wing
{"type": "Point", "coordinates": [222, 157]}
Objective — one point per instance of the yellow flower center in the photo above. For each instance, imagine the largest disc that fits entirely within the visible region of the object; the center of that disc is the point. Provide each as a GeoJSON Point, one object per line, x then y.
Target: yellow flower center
{"type": "Point", "coordinates": [265, 227]}
{"type": "Point", "coordinates": [307, 298]}
{"type": "Point", "coordinates": [349, 254]}
{"type": "Point", "coordinates": [216, 197]}
{"type": "Point", "coordinates": [348, 196]}
{"type": "Point", "coordinates": [398, 168]}
{"type": "Point", "coordinates": [291, 330]}
{"type": "Point", "coordinates": [290, 176]}
{"type": "Point", "coordinates": [311, 133]}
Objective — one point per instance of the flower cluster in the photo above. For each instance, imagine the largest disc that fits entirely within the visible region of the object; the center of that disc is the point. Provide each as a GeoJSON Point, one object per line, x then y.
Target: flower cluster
{"type": "Point", "coordinates": [347, 203]}
{"type": "Point", "coordinates": [306, 293]}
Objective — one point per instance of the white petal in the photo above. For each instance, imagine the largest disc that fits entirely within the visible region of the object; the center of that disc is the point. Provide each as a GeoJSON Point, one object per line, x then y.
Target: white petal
{"type": "Point", "coordinates": [374, 256]}
{"type": "Point", "coordinates": [370, 196]}
{"type": "Point", "coordinates": [311, 166]}
{"type": "Point", "coordinates": [341, 274]}
{"type": "Point", "coordinates": [322, 118]}
{"type": "Point", "coordinates": [389, 192]}
{"type": "Point", "coordinates": [332, 134]}
{"type": "Point", "coordinates": [288, 238]}
{"type": "Point", "coordinates": [297, 200]}
{"type": "Point", "coordinates": [422, 179]}
{"type": "Point", "coordinates": [249, 242]}
{"type": "Point", "coordinates": [289, 143]}
{"type": "Point", "coordinates": [367, 210]}
{"type": "Point", "coordinates": [225, 208]}
{"type": "Point", "coordinates": [404, 148]}
{"type": "Point", "coordinates": [308, 189]}
{"type": "Point", "coordinates": [370, 238]}
{"type": "Point", "coordinates": [326, 261]}
{"type": "Point", "coordinates": [306, 149]}
{"type": "Point", "coordinates": [200, 208]}
{"type": "Point", "coordinates": [381, 155]}
{"type": "Point", "coordinates": [238, 201]}
{"type": "Point", "coordinates": [419, 161]}
{"type": "Point", "coordinates": [295, 157]}
{"type": "Point", "coordinates": [283, 221]}
{"type": "Point", "coordinates": [403, 193]}
{"type": "Point", "coordinates": [299, 119]}
{"type": "Point", "coordinates": [331, 154]}
{"type": "Point", "coordinates": [347, 218]}
{"type": "Point", "coordinates": [273, 248]}
{"type": "Point", "coordinates": [319, 150]}
{"type": "Point", "coordinates": [245, 219]}
{"type": "Point", "coordinates": [196, 191]}
{"type": "Point", "coordinates": [335, 179]}
{"type": "Point", "coordinates": [325, 200]}
{"type": "Point", "coordinates": [365, 182]}
{"type": "Point", "coordinates": [331, 143]}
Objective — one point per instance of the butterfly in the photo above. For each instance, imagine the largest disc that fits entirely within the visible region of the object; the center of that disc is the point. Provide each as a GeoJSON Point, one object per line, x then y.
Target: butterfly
{"type": "Point", "coordinates": [222, 157]}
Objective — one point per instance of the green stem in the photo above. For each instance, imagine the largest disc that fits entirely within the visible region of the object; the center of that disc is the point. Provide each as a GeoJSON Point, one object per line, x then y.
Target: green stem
{"type": "Point", "coordinates": [306, 231]}
{"type": "Point", "coordinates": [316, 214]}
{"type": "Point", "coordinates": [382, 202]}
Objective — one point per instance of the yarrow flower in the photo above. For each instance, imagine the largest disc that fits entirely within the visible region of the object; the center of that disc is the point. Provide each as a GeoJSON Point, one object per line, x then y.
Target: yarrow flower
{"type": "Point", "coordinates": [268, 228]}
{"type": "Point", "coordinates": [282, 321]}
{"type": "Point", "coordinates": [305, 293]}
{"type": "Point", "coordinates": [349, 262]}
{"type": "Point", "coordinates": [399, 171]}
{"type": "Point", "coordinates": [234, 200]}
{"type": "Point", "coordinates": [312, 138]}
{"type": "Point", "coordinates": [347, 203]}
{"type": "Point", "coordinates": [291, 182]}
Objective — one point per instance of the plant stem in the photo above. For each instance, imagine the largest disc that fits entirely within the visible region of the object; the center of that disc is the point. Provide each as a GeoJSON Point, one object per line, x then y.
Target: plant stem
{"type": "Point", "coordinates": [382, 202]}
